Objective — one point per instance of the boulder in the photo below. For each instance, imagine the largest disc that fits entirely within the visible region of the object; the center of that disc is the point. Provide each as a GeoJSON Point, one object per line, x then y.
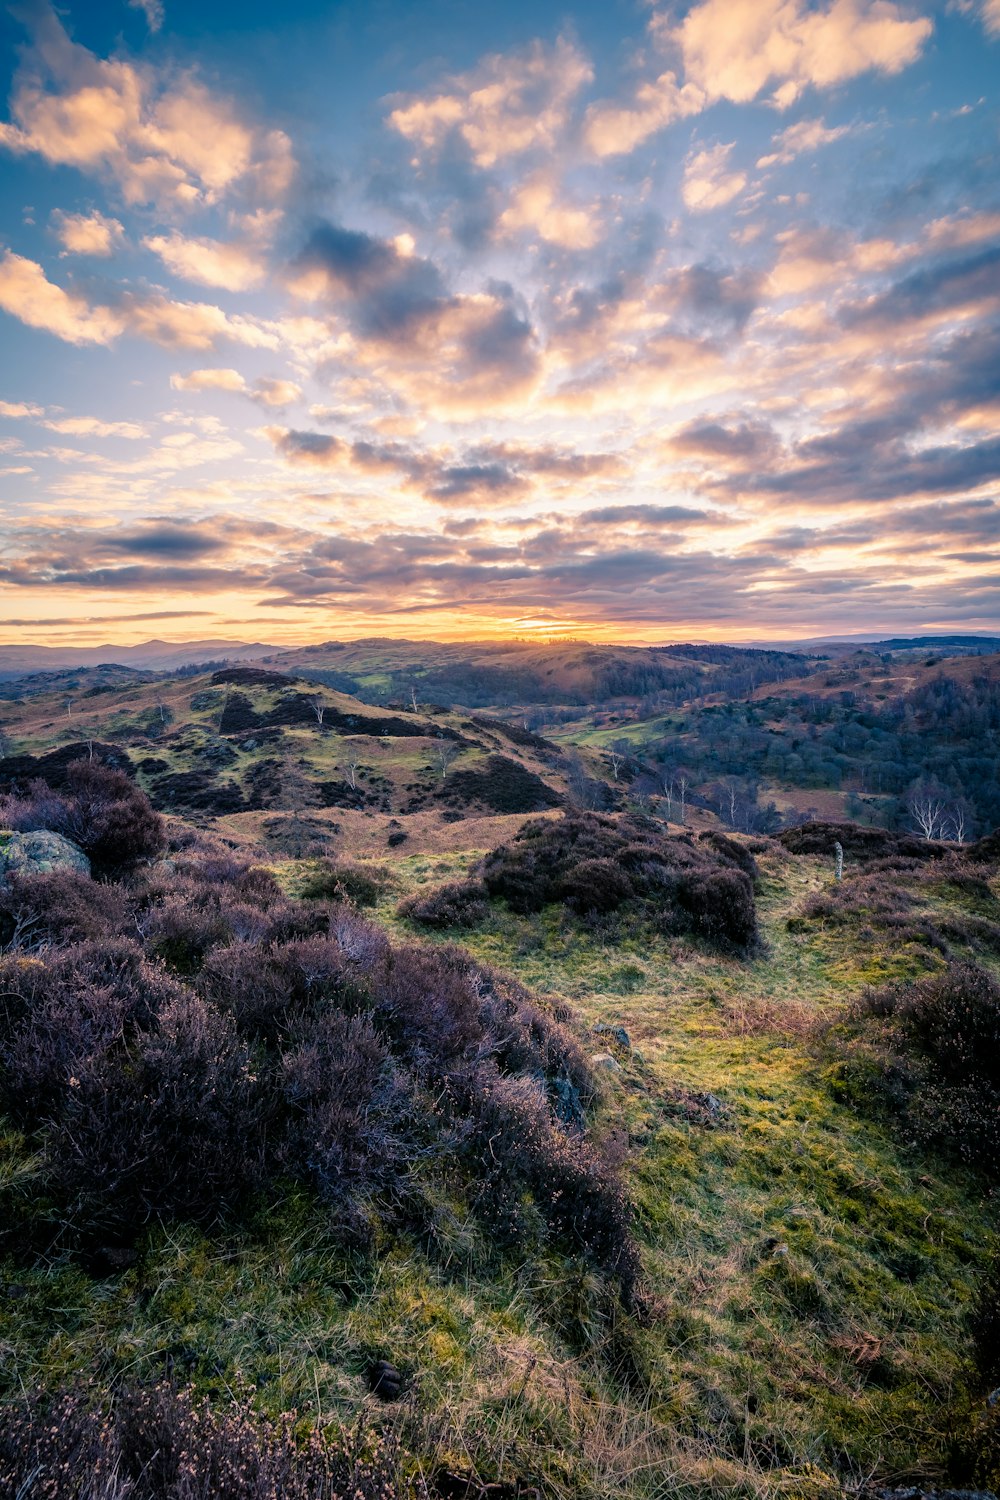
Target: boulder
{"type": "Point", "coordinates": [39, 854]}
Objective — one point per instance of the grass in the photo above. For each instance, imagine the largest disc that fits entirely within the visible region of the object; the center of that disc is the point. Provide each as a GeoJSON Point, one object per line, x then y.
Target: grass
{"type": "Point", "coordinates": [808, 1275]}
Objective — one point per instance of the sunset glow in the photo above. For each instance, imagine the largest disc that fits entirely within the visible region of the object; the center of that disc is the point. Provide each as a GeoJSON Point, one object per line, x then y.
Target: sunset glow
{"type": "Point", "coordinates": [612, 322]}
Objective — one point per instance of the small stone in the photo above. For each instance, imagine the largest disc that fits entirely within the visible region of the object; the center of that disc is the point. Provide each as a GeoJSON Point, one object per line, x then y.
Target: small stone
{"type": "Point", "coordinates": [606, 1061]}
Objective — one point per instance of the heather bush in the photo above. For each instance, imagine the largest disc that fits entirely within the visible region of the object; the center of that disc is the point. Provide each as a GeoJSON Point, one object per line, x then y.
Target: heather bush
{"type": "Point", "coordinates": [162, 1443]}
{"type": "Point", "coordinates": [929, 1053]}
{"type": "Point", "coordinates": [99, 808]}
{"type": "Point", "coordinates": [597, 885]}
{"type": "Point", "coordinates": [721, 906]}
{"type": "Point", "coordinates": [59, 907]}
{"type": "Point", "coordinates": [731, 849]}
{"type": "Point", "coordinates": [460, 903]}
{"type": "Point", "coordinates": [599, 865]}
{"type": "Point", "coordinates": [172, 1123]}
{"type": "Point", "coordinates": [578, 1193]}
{"type": "Point", "coordinates": [296, 1043]}
{"type": "Point", "coordinates": [335, 881]}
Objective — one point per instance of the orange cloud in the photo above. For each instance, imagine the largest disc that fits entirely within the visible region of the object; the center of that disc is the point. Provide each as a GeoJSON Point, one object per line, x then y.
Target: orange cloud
{"type": "Point", "coordinates": [507, 105]}
{"type": "Point", "coordinates": [210, 262]}
{"type": "Point", "coordinates": [87, 234]}
{"type": "Point", "coordinates": [175, 145]}
{"type": "Point", "coordinates": [709, 181]}
{"type": "Point", "coordinates": [26, 292]}
{"type": "Point", "coordinates": [735, 49]}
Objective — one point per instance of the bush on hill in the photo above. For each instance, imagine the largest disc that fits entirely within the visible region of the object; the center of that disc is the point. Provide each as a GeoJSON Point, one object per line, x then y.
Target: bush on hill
{"type": "Point", "coordinates": [162, 1443]}
{"type": "Point", "coordinates": [929, 1054]}
{"type": "Point", "coordinates": [460, 903]}
{"type": "Point", "coordinates": [502, 785]}
{"type": "Point", "coordinates": [238, 1038]}
{"type": "Point", "coordinates": [599, 865]}
{"type": "Point", "coordinates": [858, 842]}
{"type": "Point", "coordinates": [98, 808]}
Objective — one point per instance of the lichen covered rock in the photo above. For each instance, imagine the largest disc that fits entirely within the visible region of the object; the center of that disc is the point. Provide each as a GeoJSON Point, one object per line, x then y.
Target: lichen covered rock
{"type": "Point", "coordinates": [39, 853]}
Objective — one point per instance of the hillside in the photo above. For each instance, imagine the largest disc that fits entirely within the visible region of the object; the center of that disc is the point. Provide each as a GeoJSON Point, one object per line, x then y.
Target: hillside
{"type": "Point", "coordinates": [411, 1036]}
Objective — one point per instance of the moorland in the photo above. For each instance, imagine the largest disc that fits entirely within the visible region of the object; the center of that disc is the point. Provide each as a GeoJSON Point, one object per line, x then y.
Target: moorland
{"type": "Point", "coordinates": [462, 1070]}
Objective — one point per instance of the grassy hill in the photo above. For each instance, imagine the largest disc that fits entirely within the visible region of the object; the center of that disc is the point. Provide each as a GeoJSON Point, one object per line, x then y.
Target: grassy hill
{"type": "Point", "coordinates": [811, 1248]}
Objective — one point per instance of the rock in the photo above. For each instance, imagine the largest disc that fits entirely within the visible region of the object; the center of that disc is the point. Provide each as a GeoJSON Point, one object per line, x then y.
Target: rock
{"type": "Point", "coordinates": [567, 1102]}
{"type": "Point", "coordinates": [384, 1380]}
{"type": "Point", "coordinates": [606, 1061]}
{"type": "Point", "coordinates": [616, 1034]}
{"type": "Point", "coordinates": [39, 853]}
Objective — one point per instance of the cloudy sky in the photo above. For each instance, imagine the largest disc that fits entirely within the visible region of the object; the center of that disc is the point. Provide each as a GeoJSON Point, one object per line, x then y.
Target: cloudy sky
{"type": "Point", "coordinates": [443, 317]}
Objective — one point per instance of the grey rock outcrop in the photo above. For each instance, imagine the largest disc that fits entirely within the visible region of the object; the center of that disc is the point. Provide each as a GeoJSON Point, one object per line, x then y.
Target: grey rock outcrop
{"type": "Point", "coordinates": [39, 853]}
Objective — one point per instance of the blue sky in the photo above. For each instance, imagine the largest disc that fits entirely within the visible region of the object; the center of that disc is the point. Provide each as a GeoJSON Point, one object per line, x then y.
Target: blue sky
{"type": "Point", "coordinates": [634, 321]}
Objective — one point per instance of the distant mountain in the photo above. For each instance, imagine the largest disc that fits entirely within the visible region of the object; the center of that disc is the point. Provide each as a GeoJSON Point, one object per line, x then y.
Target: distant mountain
{"type": "Point", "coordinates": [161, 656]}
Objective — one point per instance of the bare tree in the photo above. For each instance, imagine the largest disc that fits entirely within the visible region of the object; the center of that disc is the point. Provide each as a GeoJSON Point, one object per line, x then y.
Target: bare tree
{"type": "Point", "coordinates": [682, 782]}
{"type": "Point", "coordinates": [928, 808]}
{"type": "Point", "coordinates": [413, 697]}
{"type": "Point", "coordinates": [351, 767]}
{"type": "Point", "coordinates": [616, 760]}
{"type": "Point", "coordinates": [444, 755]}
{"type": "Point", "coordinates": [69, 707]}
{"type": "Point", "coordinates": [956, 821]}
{"type": "Point", "coordinates": [319, 709]}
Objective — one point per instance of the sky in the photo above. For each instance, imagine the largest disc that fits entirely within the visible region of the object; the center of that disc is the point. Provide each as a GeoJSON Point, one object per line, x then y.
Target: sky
{"type": "Point", "coordinates": [626, 321]}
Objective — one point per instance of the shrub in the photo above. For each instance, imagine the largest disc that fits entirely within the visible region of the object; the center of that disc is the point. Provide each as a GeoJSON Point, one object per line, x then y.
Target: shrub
{"type": "Point", "coordinates": [932, 1050]}
{"type": "Point", "coordinates": [598, 864]}
{"type": "Point", "coordinates": [335, 881]}
{"type": "Point", "coordinates": [59, 907]}
{"type": "Point", "coordinates": [161, 1443]}
{"type": "Point", "coordinates": [173, 1123]}
{"type": "Point", "coordinates": [461, 903]}
{"type": "Point", "coordinates": [597, 885]}
{"type": "Point", "coordinates": [731, 850]}
{"type": "Point", "coordinates": [299, 1044]}
{"type": "Point", "coordinates": [721, 905]}
{"type": "Point", "coordinates": [502, 785]}
{"type": "Point", "coordinates": [99, 808]}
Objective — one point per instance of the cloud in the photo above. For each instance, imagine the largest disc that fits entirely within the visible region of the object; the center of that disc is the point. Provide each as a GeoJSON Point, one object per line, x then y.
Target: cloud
{"type": "Point", "coordinates": [507, 105]}
{"type": "Point", "coordinates": [27, 294]}
{"type": "Point", "coordinates": [169, 142]}
{"type": "Point", "coordinates": [940, 289]}
{"type": "Point", "coordinates": [614, 129]}
{"type": "Point", "coordinates": [991, 17]}
{"type": "Point", "coordinates": [483, 470]}
{"type": "Point", "coordinates": [20, 409]}
{"type": "Point", "coordinates": [209, 262]}
{"type": "Point", "coordinates": [209, 380]}
{"type": "Point", "coordinates": [735, 49]}
{"type": "Point", "coordinates": [535, 206]}
{"type": "Point", "coordinates": [446, 351]}
{"type": "Point", "coordinates": [152, 10]}
{"type": "Point", "coordinates": [275, 393]}
{"type": "Point", "coordinates": [795, 140]}
{"type": "Point", "coordinates": [94, 427]}
{"type": "Point", "coordinates": [267, 392]}
{"type": "Point", "coordinates": [87, 234]}
{"type": "Point", "coordinates": [709, 181]}
{"type": "Point", "coordinates": [166, 540]}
